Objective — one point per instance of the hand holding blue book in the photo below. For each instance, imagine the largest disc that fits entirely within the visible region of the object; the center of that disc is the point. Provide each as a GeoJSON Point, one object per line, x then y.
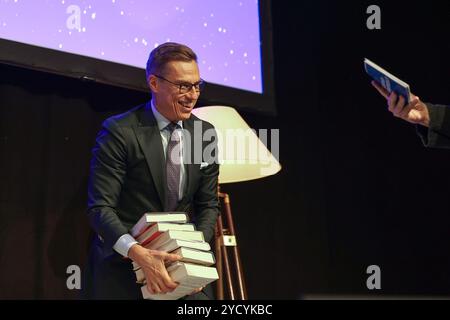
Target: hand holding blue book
{"type": "Point", "coordinates": [387, 80]}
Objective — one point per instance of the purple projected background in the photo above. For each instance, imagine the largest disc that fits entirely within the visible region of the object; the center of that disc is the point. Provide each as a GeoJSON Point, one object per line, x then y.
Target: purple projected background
{"type": "Point", "coordinates": [224, 34]}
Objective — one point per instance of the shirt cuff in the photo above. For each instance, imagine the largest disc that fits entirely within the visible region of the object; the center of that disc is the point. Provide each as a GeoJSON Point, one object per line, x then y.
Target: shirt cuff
{"type": "Point", "coordinates": [124, 244]}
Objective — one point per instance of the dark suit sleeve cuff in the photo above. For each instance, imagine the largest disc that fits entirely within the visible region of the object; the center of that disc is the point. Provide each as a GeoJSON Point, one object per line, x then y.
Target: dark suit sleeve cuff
{"type": "Point", "coordinates": [436, 135]}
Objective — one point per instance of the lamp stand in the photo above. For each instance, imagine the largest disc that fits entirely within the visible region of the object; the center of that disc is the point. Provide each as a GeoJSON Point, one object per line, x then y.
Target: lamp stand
{"type": "Point", "coordinates": [228, 267]}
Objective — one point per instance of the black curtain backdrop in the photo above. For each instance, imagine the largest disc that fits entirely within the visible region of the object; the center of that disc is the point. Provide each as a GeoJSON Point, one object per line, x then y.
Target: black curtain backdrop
{"type": "Point", "coordinates": [357, 187]}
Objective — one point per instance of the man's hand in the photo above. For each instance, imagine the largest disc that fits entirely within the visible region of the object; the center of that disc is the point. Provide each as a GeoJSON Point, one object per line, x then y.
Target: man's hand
{"type": "Point", "coordinates": [415, 112]}
{"type": "Point", "coordinates": [153, 263]}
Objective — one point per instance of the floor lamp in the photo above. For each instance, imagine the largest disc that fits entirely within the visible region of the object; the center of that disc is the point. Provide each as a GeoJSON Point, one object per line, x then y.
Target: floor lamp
{"type": "Point", "coordinates": [243, 156]}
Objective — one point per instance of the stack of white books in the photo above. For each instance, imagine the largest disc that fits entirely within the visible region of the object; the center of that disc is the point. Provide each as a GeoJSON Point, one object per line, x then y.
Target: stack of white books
{"type": "Point", "coordinates": [170, 232]}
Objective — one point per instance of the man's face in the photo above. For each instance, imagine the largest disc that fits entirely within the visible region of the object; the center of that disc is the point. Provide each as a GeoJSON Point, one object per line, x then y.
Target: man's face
{"type": "Point", "coordinates": [170, 102]}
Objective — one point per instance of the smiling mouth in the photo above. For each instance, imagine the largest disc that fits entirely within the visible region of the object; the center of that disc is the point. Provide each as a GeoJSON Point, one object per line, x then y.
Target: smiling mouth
{"type": "Point", "coordinates": [187, 105]}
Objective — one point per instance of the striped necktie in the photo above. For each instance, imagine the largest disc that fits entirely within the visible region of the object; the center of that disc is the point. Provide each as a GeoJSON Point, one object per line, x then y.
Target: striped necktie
{"type": "Point", "coordinates": [173, 166]}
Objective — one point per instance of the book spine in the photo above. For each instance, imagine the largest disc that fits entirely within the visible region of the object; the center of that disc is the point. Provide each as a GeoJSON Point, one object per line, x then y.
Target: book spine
{"type": "Point", "coordinates": [143, 230]}
{"type": "Point", "coordinates": [151, 238]}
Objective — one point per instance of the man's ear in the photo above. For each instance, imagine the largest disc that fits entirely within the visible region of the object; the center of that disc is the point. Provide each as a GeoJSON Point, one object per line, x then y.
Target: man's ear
{"type": "Point", "coordinates": [152, 83]}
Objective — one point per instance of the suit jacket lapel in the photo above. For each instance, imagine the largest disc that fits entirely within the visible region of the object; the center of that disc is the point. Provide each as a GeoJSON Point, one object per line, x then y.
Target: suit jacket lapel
{"type": "Point", "coordinates": [149, 139]}
{"type": "Point", "coordinates": [190, 166]}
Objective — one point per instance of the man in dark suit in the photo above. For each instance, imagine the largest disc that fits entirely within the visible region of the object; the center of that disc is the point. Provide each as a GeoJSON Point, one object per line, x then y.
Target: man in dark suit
{"type": "Point", "coordinates": [433, 121]}
{"type": "Point", "coordinates": [150, 159]}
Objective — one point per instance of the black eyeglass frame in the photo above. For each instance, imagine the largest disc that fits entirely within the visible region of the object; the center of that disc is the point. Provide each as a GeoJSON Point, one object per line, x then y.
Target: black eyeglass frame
{"type": "Point", "coordinates": [186, 87]}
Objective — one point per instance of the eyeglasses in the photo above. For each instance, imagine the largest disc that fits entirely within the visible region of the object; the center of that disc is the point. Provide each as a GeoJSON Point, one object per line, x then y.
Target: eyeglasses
{"type": "Point", "coordinates": [185, 87]}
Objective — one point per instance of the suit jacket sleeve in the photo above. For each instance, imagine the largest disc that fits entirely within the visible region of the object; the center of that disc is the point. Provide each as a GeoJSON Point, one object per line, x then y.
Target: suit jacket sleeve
{"type": "Point", "coordinates": [438, 133]}
{"type": "Point", "coordinates": [107, 172]}
{"type": "Point", "coordinates": [206, 203]}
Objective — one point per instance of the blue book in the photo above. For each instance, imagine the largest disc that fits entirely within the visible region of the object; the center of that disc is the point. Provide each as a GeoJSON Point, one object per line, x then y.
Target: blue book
{"type": "Point", "coordinates": [387, 80]}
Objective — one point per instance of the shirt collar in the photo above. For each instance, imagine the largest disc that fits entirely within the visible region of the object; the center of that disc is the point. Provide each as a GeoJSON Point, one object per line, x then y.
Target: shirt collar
{"type": "Point", "coordinates": [160, 119]}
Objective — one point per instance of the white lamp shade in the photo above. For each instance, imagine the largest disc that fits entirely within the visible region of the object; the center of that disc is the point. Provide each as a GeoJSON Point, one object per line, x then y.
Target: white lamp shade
{"type": "Point", "coordinates": [242, 155]}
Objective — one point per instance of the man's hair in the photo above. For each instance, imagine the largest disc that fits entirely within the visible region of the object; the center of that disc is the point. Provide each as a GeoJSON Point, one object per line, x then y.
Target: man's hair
{"type": "Point", "coordinates": [165, 53]}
